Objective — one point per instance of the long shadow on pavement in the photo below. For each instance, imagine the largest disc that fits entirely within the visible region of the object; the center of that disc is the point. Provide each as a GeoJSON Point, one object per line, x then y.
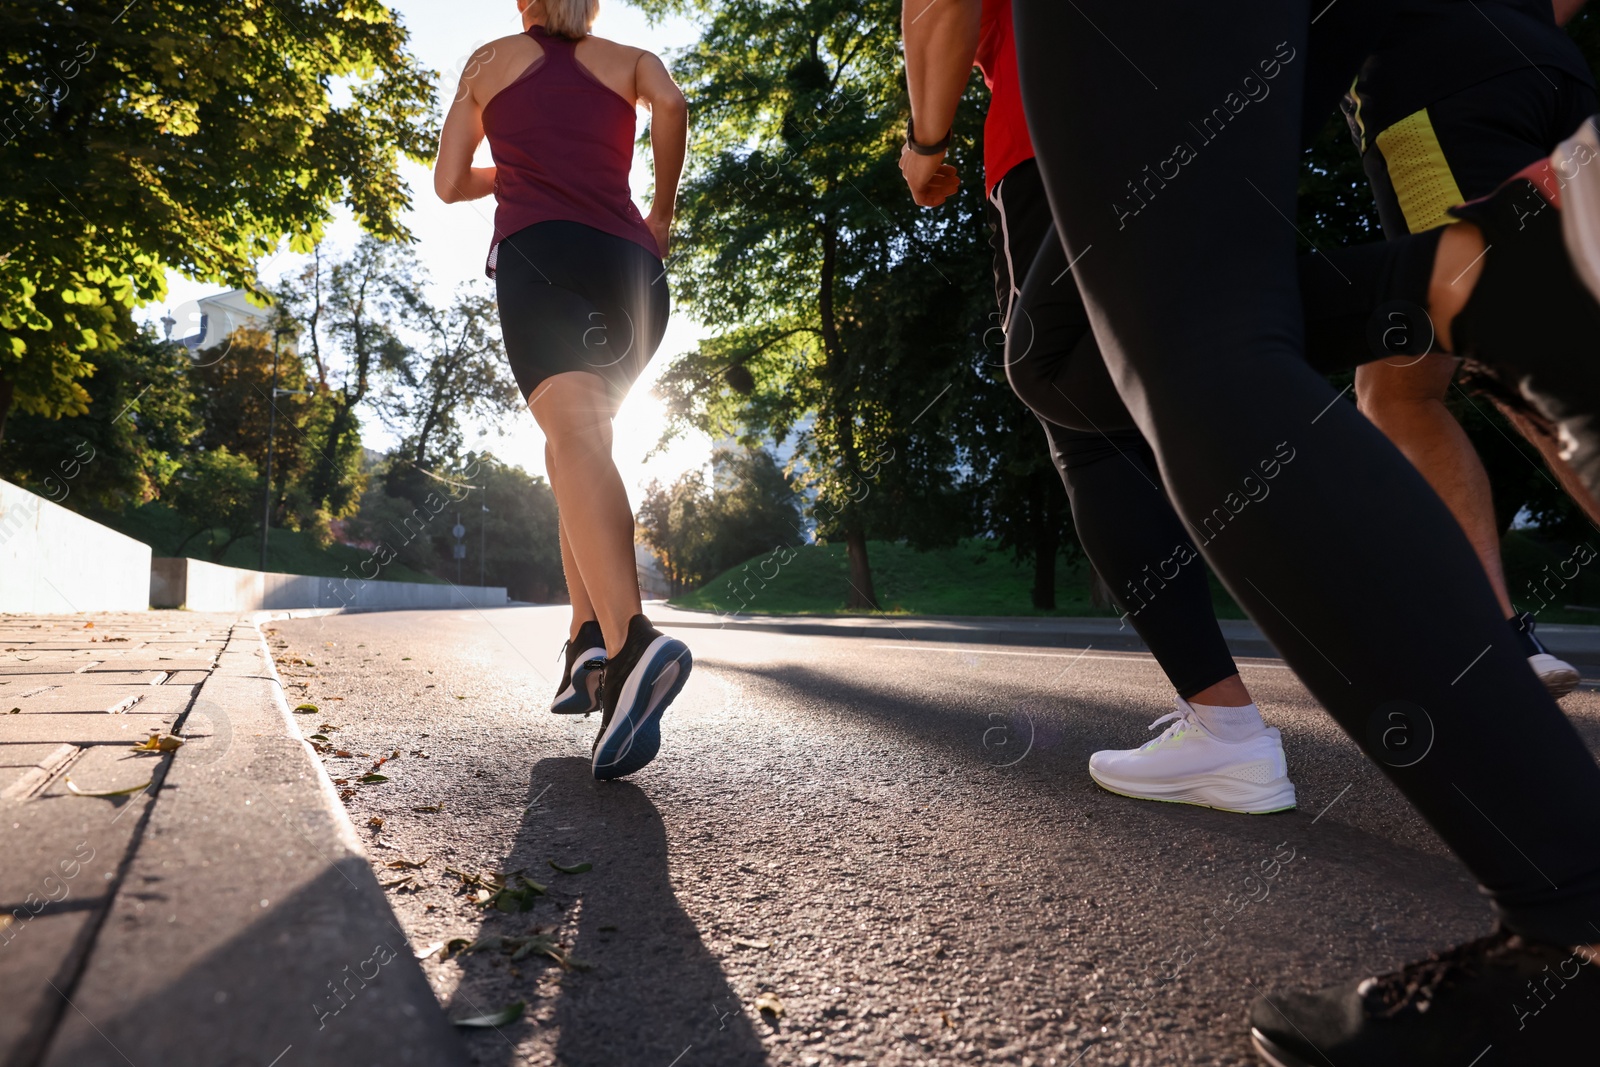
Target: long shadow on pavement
{"type": "Point", "coordinates": [1391, 850]}
{"type": "Point", "coordinates": [655, 995]}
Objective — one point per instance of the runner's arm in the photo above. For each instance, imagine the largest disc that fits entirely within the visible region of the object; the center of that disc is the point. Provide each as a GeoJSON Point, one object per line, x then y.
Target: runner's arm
{"type": "Point", "coordinates": [454, 177]}
{"type": "Point", "coordinates": [669, 137]}
{"type": "Point", "coordinates": [941, 42]}
{"type": "Point", "coordinates": [1566, 9]}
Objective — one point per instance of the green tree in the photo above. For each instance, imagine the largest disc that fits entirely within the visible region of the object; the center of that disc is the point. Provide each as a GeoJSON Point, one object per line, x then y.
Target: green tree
{"type": "Point", "coordinates": [195, 136]}
{"type": "Point", "coordinates": [840, 311]}
{"type": "Point", "coordinates": [350, 317]}
{"type": "Point", "coordinates": [669, 522]}
{"type": "Point", "coordinates": [460, 373]}
{"type": "Point", "coordinates": [125, 448]}
{"type": "Point", "coordinates": [217, 492]}
{"type": "Point", "coordinates": [698, 530]}
{"type": "Point", "coordinates": [518, 534]}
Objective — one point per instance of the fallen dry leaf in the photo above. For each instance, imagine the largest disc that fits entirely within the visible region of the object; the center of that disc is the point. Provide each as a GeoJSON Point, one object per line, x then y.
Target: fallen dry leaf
{"type": "Point", "coordinates": [156, 743]}
{"type": "Point", "coordinates": [769, 1002]}
{"type": "Point", "coordinates": [75, 791]}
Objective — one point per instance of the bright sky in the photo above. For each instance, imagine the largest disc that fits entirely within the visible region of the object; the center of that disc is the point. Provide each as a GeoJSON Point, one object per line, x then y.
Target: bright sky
{"type": "Point", "coordinates": [454, 238]}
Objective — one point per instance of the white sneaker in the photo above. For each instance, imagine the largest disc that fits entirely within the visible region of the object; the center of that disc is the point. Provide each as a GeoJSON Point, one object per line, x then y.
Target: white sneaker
{"type": "Point", "coordinates": [1558, 676]}
{"type": "Point", "coordinates": [1188, 764]}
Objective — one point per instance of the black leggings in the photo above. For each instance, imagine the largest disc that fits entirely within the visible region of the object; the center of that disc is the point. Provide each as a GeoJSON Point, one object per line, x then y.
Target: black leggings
{"type": "Point", "coordinates": [574, 298]}
{"type": "Point", "coordinates": [1125, 522]}
{"type": "Point", "coordinates": [1334, 544]}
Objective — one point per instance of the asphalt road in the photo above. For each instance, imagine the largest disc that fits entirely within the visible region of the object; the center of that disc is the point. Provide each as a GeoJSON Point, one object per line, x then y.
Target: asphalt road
{"type": "Point", "coordinates": [899, 842]}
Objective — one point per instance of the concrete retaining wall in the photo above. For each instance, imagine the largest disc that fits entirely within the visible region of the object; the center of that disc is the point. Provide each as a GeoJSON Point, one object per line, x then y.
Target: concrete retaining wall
{"type": "Point", "coordinates": [201, 586]}
{"type": "Point", "coordinates": [55, 560]}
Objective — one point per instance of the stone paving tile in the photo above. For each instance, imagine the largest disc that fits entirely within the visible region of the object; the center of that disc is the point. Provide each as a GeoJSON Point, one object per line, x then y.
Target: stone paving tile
{"type": "Point", "coordinates": [151, 662]}
{"type": "Point", "coordinates": [20, 762]}
{"type": "Point", "coordinates": [101, 769]}
{"type": "Point", "coordinates": [86, 728]}
{"type": "Point", "coordinates": [80, 697]}
{"type": "Point", "coordinates": [44, 944]}
{"type": "Point", "coordinates": [74, 700]}
{"type": "Point", "coordinates": [109, 678]}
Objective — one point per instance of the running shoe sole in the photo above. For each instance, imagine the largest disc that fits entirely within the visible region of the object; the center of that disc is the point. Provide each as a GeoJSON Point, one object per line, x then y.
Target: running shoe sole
{"type": "Point", "coordinates": [582, 694]}
{"type": "Point", "coordinates": [1580, 205]}
{"type": "Point", "coordinates": [1274, 1054]}
{"type": "Point", "coordinates": [1243, 798]}
{"type": "Point", "coordinates": [634, 736]}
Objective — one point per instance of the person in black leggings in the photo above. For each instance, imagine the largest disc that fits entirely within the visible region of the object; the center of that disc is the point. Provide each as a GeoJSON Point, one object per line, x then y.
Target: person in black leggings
{"type": "Point", "coordinates": [1192, 292]}
{"type": "Point", "coordinates": [1217, 751]}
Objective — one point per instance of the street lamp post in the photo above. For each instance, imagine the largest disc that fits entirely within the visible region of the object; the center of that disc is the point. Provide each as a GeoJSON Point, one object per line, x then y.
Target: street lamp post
{"type": "Point", "coordinates": [272, 428]}
{"type": "Point", "coordinates": [483, 525]}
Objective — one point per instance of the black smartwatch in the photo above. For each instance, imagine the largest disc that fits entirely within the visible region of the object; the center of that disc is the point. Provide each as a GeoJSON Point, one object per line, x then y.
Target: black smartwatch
{"type": "Point", "coordinates": [925, 149]}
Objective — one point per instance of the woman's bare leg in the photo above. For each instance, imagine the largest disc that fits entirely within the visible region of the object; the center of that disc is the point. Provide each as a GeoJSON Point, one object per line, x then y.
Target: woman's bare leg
{"type": "Point", "coordinates": [577, 592]}
{"type": "Point", "coordinates": [575, 411]}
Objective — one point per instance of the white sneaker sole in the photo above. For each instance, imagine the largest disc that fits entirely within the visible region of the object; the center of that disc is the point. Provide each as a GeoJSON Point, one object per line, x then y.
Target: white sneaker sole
{"type": "Point", "coordinates": [1558, 676]}
{"type": "Point", "coordinates": [582, 694]}
{"type": "Point", "coordinates": [1576, 162]}
{"type": "Point", "coordinates": [634, 736]}
{"type": "Point", "coordinates": [1207, 791]}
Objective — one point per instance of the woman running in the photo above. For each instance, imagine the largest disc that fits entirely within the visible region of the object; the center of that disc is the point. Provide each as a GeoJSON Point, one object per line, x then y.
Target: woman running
{"type": "Point", "coordinates": [583, 305]}
{"type": "Point", "coordinates": [1171, 168]}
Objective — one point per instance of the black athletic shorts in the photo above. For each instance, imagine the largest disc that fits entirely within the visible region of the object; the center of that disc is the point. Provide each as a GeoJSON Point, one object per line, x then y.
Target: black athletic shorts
{"type": "Point", "coordinates": [1463, 146]}
{"type": "Point", "coordinates": [574, 298]}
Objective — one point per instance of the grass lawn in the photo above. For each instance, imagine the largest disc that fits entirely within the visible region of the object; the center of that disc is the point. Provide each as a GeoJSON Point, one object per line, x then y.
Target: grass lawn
{"type": "Point", "coordinates": [288, 551]}
{"type": "Point", "coordinates": [974, 579]}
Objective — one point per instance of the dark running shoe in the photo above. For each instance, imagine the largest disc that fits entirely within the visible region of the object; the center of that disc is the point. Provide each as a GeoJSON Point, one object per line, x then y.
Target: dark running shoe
{"type": "Point", "coordinates": [1530, 333]}
{"type": "Point", "coordinates": [1499, 1001]}
{"type": "Point", "coordinates": [641, 680]}
{"type": "Point", "coordinates": [585, 656]}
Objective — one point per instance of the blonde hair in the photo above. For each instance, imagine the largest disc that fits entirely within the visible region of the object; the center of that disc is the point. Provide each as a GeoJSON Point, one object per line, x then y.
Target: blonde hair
{"type": "Point", "coordinates": [569, 18]}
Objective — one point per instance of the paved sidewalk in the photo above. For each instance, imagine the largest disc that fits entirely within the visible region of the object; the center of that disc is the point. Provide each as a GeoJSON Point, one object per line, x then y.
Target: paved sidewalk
{"type": "Point", "coordinates": [205, 904]}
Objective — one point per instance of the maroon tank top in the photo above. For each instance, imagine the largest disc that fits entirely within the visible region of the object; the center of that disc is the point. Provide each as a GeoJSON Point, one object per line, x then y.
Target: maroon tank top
{"type": "Point", "coordinates": [562, 143]}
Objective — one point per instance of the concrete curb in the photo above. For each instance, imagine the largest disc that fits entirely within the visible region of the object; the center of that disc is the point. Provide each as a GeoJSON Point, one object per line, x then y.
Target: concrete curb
{"type": "Point", "coordinates": [248, 926]}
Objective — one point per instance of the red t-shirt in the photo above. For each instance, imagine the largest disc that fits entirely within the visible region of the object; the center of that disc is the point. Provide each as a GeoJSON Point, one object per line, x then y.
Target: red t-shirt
{"type": "Point", "coordinates": [1005, 129]}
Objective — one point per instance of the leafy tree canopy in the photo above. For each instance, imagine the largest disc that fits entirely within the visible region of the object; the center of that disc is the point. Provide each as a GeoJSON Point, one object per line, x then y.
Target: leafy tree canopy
{"type": "Point", "coordinates": [138, 137]}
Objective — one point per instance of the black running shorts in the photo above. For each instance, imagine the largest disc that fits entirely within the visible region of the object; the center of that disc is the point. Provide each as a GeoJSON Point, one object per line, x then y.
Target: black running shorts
{"type": "Point", "coordinates": [1463, 146]}
{"type": "Point", "coordinates": [573, 298]}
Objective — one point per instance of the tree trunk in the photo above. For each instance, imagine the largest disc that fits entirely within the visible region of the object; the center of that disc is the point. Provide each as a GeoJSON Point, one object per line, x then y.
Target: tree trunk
{"type": "Point", "coordinates": [8, 392]}
{"type": "Point", "coordinates": [862, 596]}
{"type": "Point", "coordinates": [1045, 548]}
{"type": "Point", "coordinates": [1046, 515]}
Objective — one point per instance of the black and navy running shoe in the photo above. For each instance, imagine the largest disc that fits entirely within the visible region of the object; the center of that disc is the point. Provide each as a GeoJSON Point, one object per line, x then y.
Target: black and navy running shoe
{"type": "Point", "coordinates": [1498, 1000]}
{"type": "Point", "coordinates": [641, 680]}
{"type": "Point", "coordinates": [585, 656]}
{"type": "Point", "coordinates": [1527, 334]}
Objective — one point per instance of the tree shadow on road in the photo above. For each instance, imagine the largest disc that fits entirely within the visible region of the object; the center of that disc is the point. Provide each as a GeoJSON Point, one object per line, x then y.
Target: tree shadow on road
{"type": "Point", "coordinates": [654, 994]}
